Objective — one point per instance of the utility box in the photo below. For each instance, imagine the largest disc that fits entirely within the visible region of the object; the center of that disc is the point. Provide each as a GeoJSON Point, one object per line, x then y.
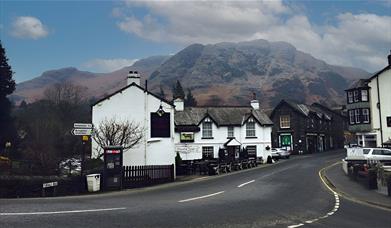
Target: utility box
{"type": "Point", "coordinates": [113, 161]}
{"type": "Point", "coordinates": [93, 182]}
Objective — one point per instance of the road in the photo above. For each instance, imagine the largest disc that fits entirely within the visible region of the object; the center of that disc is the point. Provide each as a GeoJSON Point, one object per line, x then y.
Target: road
{"type": "Point", "coordinates": [286, 194]}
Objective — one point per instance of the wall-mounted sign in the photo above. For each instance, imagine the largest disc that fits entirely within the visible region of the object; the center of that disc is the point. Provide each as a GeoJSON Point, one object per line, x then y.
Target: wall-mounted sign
{"type": "Point", "coordinates": [187, 137]}
{"type": "Point", "coordinates": [160, 125]}
{"type": "Point", "coordinates": [186, 149]}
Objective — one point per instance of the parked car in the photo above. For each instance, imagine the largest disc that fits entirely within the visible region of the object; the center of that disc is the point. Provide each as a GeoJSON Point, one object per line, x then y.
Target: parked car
{"type": "Point", "coordinates": [378, 154]}
{"type": "Point", "coordinates": [275, 154]}
{"type": "Point", "coordinates": [284, 153]}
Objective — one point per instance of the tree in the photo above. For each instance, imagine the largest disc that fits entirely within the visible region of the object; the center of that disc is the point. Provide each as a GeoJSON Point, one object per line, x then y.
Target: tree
{"type": "Point", "coordinates": [7, 86]}
{"type": "Point", "coordinates": [162, 94]}
{"type": "Point", "coordinates": [177, 91]}
{"type": "Point", "coordinates": [190, 101]}
{"type": "Point", "coordinates": [113, 132]}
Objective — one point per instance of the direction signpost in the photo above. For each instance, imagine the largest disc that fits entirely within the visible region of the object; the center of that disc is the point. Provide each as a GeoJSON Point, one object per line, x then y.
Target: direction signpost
{"type": "Point", "coordinates": [84, 130]}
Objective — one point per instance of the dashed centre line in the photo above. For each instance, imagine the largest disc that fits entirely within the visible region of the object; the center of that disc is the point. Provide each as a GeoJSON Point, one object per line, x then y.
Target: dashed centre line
{"type": "Point", "coordinates": [200, 197]}
{"type": "Point", "coordinates": [249, 182]}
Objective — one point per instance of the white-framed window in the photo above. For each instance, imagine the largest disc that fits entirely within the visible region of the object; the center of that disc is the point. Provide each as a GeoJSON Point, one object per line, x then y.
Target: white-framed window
{"type": "Point", "coordinates": [285, 121]}
{"type": "Point", "coordinates": [351, 117]}
{"type": "Point", "coordinates": [230, 133]}
{"type": "Point", "coordinates": [357, 115]}
{"type": "Point", "coordinates": [350, 97]}
{"type": "Point", "coordinates": [207, 152]}
{"type": "Point", "coordinates": [365, 115]}
{"type": "Point", "coordinates": [250, 128]}
{"type": "Point", "coordinates": [356, 95]}
{"type": "Point", "coordinates": [364, 95]}
{"type": "Point", "coordinates": [207, 131]}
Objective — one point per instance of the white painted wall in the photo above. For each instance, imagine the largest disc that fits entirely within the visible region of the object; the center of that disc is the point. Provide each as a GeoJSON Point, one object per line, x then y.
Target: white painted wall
{"type": "Point", "coordinates": [385, 99]}
{"type": "Point", "coordinates": [220, 135]}
{"type": "Point", "coordinates": [134, 104]}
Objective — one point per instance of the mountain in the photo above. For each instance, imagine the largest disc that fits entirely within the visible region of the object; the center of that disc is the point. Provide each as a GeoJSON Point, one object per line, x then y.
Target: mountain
{"type": "Point", "coordinates": [96, 84]}
{"type": "Point", "coordinates": [220, 74]}
{"type": "Point", "coordinates": [229, 73]}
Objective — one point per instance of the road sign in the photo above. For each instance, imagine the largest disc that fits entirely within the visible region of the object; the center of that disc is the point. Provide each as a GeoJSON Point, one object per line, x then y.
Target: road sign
{"type": "Point", "coordinates": [82, 125]}
{"type": "Point", "coordinates": [50, 184]}
{"type": "Point", "coordinates": [78, 131]}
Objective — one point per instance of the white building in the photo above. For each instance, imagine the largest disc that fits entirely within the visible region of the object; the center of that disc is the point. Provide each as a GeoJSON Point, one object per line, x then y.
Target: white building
{"type": "Point", "coordinates": [380, 104]}
{"type": "Point", "coordinates": [135, 103]}
{"type": "Point", "coordinates": [201, 132]}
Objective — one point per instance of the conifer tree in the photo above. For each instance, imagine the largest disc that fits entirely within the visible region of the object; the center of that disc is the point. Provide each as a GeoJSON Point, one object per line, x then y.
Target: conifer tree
{"type": "Point", "coordinates": [178, 91]}
{"type": "Point", "coordinates": [190, 101]}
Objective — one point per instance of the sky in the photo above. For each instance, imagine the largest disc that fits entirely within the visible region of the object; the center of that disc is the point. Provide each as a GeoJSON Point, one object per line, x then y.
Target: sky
{"type": "Point", "coordinates": [103, 36]}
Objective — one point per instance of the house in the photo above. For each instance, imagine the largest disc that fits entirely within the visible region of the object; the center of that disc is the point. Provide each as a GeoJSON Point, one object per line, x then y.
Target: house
{"type": "Point", "coordinates": [154, 114]}
{"type": "Point", "coordinates": [369, 109]}
{"type": "Point", "coordinates": [202, 132]}
{"type": "Point", "coordinates": [302, 128]}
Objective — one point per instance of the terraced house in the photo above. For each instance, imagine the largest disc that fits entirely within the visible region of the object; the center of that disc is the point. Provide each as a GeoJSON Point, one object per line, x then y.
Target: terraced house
{"type": "Point", "coordinates": [305, 129]}
{"type": "Point", "coordinates": [369, 109]}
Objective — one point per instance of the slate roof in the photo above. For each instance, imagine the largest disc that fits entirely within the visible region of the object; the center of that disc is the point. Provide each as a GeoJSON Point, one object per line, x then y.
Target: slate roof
{"type": "Point", "coordinates": [361, 83]}
{"type": "Point", "coordinates": [306, 109]}
{"type": "Point", "coordinates": [222, 116]}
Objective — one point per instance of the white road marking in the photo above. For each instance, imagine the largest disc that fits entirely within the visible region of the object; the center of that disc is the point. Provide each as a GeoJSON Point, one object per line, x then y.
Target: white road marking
{"type": "Point", "coordinates": [201, 178]}
{"type": "Point", "coordinates": [249, 182]}
{"type": "Point", "coordinates": [62, 212]}
{"type": "Point", "coordinates": [200, 197]}
{"type": "Point", "coordinates": [334, 210]}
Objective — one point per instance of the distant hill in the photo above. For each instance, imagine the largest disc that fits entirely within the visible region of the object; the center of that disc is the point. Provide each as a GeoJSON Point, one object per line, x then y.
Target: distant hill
{"type": "Point", "coordinates": [97, 84]}
{"type": "Point", "coordinates": [220, 74]}
{"type": "Point", "coordinates": [228, 73]}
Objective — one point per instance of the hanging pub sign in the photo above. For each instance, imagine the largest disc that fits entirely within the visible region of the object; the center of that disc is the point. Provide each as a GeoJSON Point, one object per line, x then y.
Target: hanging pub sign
{"type": "Point", "coordinates": [187, 137]}
{"type": "Point", "coordinates": [160, 125]}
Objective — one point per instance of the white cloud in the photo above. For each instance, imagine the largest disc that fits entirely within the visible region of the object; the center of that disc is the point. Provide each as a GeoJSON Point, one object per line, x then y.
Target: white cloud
{"type": "Point", "coordinates": [28, 28]}
{"type": "Point", "coordinates": [108, 65]}
{"type": "Point", "coordinates": [361, 40]}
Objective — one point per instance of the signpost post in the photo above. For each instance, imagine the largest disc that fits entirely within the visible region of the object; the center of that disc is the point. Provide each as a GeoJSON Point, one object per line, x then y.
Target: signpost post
{"type": "Point", "coordinates": [84, 130]}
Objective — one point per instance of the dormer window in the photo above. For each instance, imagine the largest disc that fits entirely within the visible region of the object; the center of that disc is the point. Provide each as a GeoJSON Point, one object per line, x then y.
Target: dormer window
{"type": "Point", "coordinates": [350, 97]}
{"type": "Point", "coordinates": [364, 95]}
{"type": "Point", "coordinates": [250, 128]}
{"type": "Point", "coordinates": [207, 128]}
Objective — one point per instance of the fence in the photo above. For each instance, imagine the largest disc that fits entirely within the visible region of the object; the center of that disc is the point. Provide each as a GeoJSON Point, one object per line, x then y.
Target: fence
{"type": "Point", "coordinates": [140, 176]}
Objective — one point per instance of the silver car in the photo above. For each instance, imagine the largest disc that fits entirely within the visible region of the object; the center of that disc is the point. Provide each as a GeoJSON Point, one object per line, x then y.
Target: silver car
{"type": "Point", "coordinates": [284, 153]}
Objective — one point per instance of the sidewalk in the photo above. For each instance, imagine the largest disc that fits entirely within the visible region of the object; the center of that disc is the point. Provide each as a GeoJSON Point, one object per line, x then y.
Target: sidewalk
{"type": "Point", "coordinates": [353, 189]}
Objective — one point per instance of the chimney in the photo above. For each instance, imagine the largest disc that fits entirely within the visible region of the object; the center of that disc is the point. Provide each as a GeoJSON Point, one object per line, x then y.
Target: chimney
{"type": "Point", "coordinates": [389, 59]}
{"type": "Point", "coordinates": [255, 103]}
{"type": "Point", "coordinates": [179, 104]}
{"type": "Point", "coordinates": [133, 77]}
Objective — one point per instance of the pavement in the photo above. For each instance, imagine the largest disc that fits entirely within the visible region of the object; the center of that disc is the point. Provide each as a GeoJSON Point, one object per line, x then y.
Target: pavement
{"type": "Point", "coordinates": [285, 194]}
{"type": "Point", "coordinates": [354, 190]}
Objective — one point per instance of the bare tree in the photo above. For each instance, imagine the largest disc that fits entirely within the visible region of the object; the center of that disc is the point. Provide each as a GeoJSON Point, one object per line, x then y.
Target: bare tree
{"type": "Point", "coordinates": [113, 132]}
{"type": "Point", "coordinates": [66, 92]}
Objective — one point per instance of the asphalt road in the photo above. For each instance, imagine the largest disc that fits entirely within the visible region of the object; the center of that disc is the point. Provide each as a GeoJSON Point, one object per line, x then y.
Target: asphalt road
{"type": "Point", "coordinates": [286, 194]}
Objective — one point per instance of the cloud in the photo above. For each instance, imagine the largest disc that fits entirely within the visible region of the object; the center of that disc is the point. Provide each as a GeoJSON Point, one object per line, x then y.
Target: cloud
{"type": "Point", "coordinates": [108, 65]}
{"type": "Point", "coordinates": [28, 28]}
{"type": "Point", "coordinates": [361, 40]}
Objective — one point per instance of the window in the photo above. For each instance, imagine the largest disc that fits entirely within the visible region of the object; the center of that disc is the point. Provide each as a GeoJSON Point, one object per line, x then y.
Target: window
{"type": "Point", "coordinates": [365, 115]}
{"type": "Point", "coordinates": [350, 97]}
{"type": "Point", "coordinates": [231, 132]}
{"type": "Point", "coordinates": [251, 151]}
{"type": "Point", "coordinates": [377, 152]}
{"type": "Point", "coordinates": [207, 152]}
{"type": "Point", "coordinates": [250, 128]}
{"type": "Point", "coordinates": [366, 151]}
{"type": "Point", "coordinates": [351, 116]}
{"type": "Point", "coordinates": [364, 95]}
{"type": "Point", "coordinates": [356, 96]}
{"type": "Point", "coordinates": [207, 128]}
{"type": "Point", "coordinates": [357, 115]}
{"type": "Point", "coordinates": [285, 121]}
{"type": "Point", "coordinates": [160, 125]}
{"type": "Point", "coordinates": [387, 152]}
{"type": "Point", "coordinates": [388, 121]}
